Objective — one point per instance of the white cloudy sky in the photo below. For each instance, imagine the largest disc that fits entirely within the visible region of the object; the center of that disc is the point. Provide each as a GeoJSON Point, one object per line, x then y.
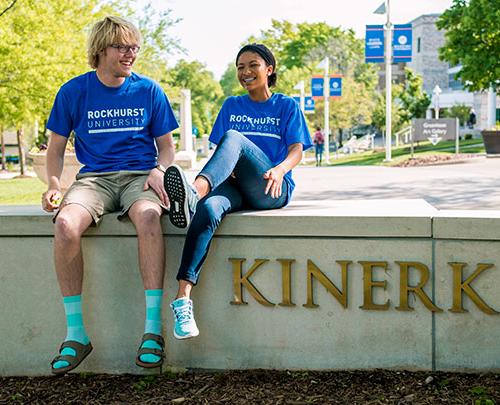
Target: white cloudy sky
{"type": "Point", "coordinates": [213, 30]}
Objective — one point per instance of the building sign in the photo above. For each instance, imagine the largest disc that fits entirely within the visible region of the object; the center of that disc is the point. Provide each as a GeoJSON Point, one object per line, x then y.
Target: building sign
{"type": "Point", "coordinates": [401, 43]}
{"type": "Point", "coordinates": [461, 288]}
{"type": "Point", "coordinates": [374, 44]}
{"type": "Point", "coordinates": [433, 130]}
{"type": "Point", "coordinates": [335, 86]}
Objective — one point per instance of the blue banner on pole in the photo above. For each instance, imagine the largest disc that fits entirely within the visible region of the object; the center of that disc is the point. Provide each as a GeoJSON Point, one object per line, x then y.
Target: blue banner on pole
{"type": "Point", "coordinates": [335, 86]}
{"type": "Point", "coordinates": [374, 44]}
{"type": "Point", "coordinates": [317, 86]}
{"type": "Point", "coordinates": [309, 104]}
{"type": "Point", "coordinates": [402, 43]}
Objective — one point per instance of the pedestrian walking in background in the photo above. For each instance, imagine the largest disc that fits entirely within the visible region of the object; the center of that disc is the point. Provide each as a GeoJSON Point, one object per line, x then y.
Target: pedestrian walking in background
{"type": "Point", "coordinates": [319, 145]}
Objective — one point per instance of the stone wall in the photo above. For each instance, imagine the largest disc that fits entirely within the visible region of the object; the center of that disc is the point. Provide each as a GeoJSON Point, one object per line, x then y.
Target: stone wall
{"type": "Point", "coordinates": [317, 285]}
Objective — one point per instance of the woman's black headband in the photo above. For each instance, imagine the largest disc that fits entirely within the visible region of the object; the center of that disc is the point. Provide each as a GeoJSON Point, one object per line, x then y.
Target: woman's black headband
{"type": "Point", "coordinates": [260, 50]}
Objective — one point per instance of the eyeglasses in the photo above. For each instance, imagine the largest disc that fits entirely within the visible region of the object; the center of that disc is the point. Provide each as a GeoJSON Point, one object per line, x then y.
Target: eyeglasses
{"type": "Point", "coordinates": [126, 48]}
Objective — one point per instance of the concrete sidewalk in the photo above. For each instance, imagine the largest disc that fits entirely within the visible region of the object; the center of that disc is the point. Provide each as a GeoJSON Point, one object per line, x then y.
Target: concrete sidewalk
{"type": "Point", "coordinates": [473, 184]}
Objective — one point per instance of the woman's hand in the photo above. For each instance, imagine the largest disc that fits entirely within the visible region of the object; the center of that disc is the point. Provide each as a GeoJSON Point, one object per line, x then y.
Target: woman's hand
{"type": "Point", "coordinates": [51, 200]}
{"type": "Point", "coordinates": [274, 179]}
{"type": "Point", "coordinates": [155, 182]}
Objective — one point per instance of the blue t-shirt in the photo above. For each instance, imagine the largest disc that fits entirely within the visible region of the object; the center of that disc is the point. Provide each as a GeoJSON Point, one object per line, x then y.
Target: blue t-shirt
{"type": "Point", "coordinates": [273, 125]}
{"type": "Point", "coordinates": [114, 127]}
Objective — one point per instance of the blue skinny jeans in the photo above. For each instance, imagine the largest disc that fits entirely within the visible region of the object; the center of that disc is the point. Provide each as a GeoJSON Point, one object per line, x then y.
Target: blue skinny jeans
{"type": "Point", "coordinates": [234, 154]}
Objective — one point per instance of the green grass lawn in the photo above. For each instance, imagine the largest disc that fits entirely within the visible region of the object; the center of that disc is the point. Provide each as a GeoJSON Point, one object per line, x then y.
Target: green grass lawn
{"type": "Point", "coordinates": [27, 191]}
{"type": "Point", "coordinates": [403, 153]}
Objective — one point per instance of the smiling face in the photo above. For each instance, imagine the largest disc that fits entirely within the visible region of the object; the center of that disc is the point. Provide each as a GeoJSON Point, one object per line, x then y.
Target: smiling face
{"type": "Point", "coordinates": [114, 64]}
{"type": "Point", "coordinates": [253, 72]}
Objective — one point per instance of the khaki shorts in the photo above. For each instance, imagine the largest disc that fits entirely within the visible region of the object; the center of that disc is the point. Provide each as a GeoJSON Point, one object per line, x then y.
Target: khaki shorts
{"type": "Point", "coordinates": [102, 193]}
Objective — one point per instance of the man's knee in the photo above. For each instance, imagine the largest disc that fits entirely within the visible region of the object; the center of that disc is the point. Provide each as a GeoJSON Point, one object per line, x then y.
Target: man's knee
{"type": "Point", "coordinates": [145, 218]}
{"type": "Point", "coordinates": [67, 227]}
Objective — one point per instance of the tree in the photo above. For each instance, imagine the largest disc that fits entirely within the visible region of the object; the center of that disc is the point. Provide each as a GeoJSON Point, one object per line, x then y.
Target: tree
{"type": "Point", "coordinates": [398, 115]}
{"type": "Point", "coordinates": [43, 45]}
{"type": "Point", "coordinates": [40, 44]}
{"type": "Point", "coordinates": [206, 92]}
{"type": "Point", "coordinates": [460, 111]}
{"type": "Point", "coordinates": [229, 82]}
{"type": "Point", "coordinates": [472, 41]}
{"type": "Point", "coordinates": [414, 100]}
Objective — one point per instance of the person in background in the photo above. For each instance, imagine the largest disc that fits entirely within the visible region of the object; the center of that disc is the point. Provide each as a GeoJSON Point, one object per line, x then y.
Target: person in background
{"type": "Point", "coordinates": [319, 145]}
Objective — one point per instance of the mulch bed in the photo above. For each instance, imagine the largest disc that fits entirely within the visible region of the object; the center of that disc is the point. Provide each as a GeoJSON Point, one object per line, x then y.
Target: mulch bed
{"type": "Point", "coordinates": [257, 387]}
{"type": "Point", "coordinates": [430, 160]}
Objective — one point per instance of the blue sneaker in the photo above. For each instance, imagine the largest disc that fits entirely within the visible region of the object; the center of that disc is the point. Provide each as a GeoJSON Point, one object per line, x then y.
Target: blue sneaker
{"type": "Point", "coordinates": [183, 197]}
{"type": "Point", "coordinates": [185, 325]}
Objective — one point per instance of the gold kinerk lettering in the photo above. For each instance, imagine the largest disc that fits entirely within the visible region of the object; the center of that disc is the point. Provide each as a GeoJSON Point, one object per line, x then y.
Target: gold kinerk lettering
{"type": "Point", "coordinates": [460, 286]}
{"type": "Point", "coordinates": [240, 280]}
{"type": "Point", "coordinates": [286, 282]}
{"type": "Point", "coordinates": [405, 289]}
{"type": "Point", "coordinates": [369, 284]}
{"type": "Point", "coordinates": [314, 271]}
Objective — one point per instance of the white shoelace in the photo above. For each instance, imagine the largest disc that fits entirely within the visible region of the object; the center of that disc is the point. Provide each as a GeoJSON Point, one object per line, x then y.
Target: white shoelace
{"type": "Point", "coordinates": [184, 313]}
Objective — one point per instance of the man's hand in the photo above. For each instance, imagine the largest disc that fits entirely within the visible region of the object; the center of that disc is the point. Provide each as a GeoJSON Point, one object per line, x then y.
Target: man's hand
{"type": "Point", "coordinates": [274, 179]}
{"type": "Point", "coordinates": [155, 182]}
{"type": "Point", "coordinates": [51, 200]}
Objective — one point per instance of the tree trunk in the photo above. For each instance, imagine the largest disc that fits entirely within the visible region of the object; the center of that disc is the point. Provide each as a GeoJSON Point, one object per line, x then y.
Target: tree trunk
{"type": "Point", "coordinates": [2, 148]}
{"type": "Point", "coordinates": [20, 144]}
{"type": "Point", "coordinates": [341, 131]}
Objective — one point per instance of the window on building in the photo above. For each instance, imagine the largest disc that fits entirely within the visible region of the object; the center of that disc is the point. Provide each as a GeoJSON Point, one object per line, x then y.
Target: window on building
{"type": "Point", "coordinates": [419, 40]}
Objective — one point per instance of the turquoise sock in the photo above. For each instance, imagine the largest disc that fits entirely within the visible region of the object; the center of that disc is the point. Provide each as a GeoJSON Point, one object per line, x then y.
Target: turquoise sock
{"type": "Point", "coordinates": [153, 322]}
{"type": "Point", "coordinates": [75, 329]}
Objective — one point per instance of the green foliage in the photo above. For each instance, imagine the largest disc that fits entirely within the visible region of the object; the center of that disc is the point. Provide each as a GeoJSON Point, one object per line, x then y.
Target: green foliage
{"type": "Point", "coordinates": [414, 100]}
{"type": "Point", "coordinates": [229, 82]}
{"type": "Point", "coordinates": [459, 111]}
{"type": "Point", "coordinates": [144, 383]}
{"type": "Point", "coordinates": [43, 45]}
{"type": "Point", "coordinates": [206, 92]}
{"type": "Point", "coordinates": [398, 115]}
{"type": "Point", "coordinates": [473, 41]}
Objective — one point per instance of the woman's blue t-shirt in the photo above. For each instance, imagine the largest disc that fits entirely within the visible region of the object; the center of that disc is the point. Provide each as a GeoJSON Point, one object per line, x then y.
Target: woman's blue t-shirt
{"type": "Point", "coordinates": [273, 125]}
{"type": "Point", "coordinates": [114, 127]}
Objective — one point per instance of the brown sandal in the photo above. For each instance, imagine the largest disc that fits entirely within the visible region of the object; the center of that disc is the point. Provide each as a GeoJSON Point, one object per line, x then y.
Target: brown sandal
{"type": "Point", "coordinates": [81, 351]}
{"type": "Point", "coordinates": [145, 350]}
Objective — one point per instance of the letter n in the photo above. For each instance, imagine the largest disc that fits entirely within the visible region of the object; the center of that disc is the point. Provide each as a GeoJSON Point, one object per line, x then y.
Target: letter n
{"type": "Point", "coordinates": [314, 271]}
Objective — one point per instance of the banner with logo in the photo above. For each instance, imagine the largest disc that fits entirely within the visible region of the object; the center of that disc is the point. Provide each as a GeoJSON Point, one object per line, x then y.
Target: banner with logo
{"type": "Point", "coordinates": [374, 44]}
{"type": "Point", "coordinates": [335, 86]}
{"type": "Point", "coordinates": [317, 86]}
{"type": "Point", "coordinates": [401, 43]}
{"type": "Point", "coordinates": [308, 103]}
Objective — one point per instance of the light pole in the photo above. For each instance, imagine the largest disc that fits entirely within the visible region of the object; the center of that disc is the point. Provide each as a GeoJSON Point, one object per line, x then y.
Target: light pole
{"type": "Point", "coordinates": [326, 96]}
{"type": "Point", "coordinates": [388, 84]}
{"type": "Point", "coordinates": [300, 86]}
{"type": "Point", "coordinates": [437, 91]}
